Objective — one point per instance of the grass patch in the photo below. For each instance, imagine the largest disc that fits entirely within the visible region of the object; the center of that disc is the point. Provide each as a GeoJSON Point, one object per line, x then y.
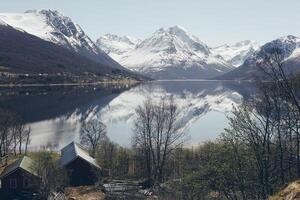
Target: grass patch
{"type": "Point", "coordinates": [84, 193]}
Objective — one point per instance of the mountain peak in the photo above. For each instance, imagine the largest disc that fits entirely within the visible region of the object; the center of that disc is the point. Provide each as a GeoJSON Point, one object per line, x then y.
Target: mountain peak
{"type": "Point", "coordinates": [169, 52]}
{"type": "Point", "coordinates": [44, 11]}
{"type": "Point", "coordinates": [176, 29]}
{"type": "Point", "coordinates": [173, 39]}
{"type": "Point", "coordinates": [286, 45]}
{"type": "Point", "coordinates": [288, 38]}
{"type": "Point", "coordinates": [44, 23]}
{"type": "Point", "coordinates": [52, 26]}
{"type": "Point", "coordinates": [173, 30]}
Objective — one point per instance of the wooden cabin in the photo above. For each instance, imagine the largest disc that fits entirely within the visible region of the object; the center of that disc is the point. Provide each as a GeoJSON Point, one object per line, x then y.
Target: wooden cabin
{"type": "Point", "coordinates": [81, 167]}
{"type": "Point", "coordinates": [20, 176]}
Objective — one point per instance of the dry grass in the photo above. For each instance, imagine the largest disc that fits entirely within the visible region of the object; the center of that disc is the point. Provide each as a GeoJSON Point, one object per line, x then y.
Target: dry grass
{"type": "Point", "coordinates": [10, 160]}
{"type": "Point", "coordinates": [291, 192]}
{"type": "Point", "coordinates": [84, 193]}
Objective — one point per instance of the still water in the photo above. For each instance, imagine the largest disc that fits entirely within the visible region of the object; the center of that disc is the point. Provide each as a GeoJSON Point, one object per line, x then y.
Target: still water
{"type": "Point", "coordinates": [55, 113]}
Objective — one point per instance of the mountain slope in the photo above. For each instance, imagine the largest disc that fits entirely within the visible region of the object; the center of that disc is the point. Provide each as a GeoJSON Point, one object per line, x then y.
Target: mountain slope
{"type": "Point", "coordinates": [173, 53]}
{"type": "Point", "coordinates": [288, 45]}
{"type": "Point", "coordinates": [23, 53]}
{"type": "Point", "coordinates": [116, 46]}
{"type": "Point", "coordinates": [236, 54]}
{"type": "Point", "coordinates": [54, 27]}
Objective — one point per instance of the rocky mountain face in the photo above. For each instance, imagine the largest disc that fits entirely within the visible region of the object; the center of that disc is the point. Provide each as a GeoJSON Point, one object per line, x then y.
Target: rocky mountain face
{"type": "Point", "coordinates": [236, 54]}
{"type": "Point", "coordinates": [169, 53]}
{"type": "Point", "coordinates": [54, 27]}
{"type": "Point", "coordinates": [289, 47]}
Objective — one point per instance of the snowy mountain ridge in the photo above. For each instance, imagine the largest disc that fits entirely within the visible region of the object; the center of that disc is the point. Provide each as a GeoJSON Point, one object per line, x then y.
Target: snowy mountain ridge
{"type": "Point", "coordinates": [115, 45]}
{"type": "Point", "coordinates": [289, 48]}
{"type": "Point", "coordinates": [237, 53]}
{"type": "Point", "coordinates": [51, 26]}
{"type": "Point", "coordinates": [171, 53]}
{"type": "Point", "coordinates": [54, 27]}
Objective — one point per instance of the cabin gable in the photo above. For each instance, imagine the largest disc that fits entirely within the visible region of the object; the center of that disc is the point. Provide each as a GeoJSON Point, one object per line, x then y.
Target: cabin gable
{"type": "Point", "coordinates": [82, 168]}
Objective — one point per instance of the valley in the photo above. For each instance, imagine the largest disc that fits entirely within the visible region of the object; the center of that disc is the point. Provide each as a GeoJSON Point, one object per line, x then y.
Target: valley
{"type": "Point", "coordinates": [113, 100]}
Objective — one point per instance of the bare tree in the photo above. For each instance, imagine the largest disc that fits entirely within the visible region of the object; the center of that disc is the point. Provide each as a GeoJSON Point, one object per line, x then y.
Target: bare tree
{"type": "Point", "coordinates": [14, 134]}
{"type": "Point", "coordinates": [143, 128]}
{"type": "Point", "coordinates": [22, 135]}
{"type": "Point", "coordinates": [256, 131]}
{"type": "Point", "coordinates": [91, 134]}
{"type": "Point", "coordinates": [106, 155]}
{"type": "Point", "coordinates": [52, 176]}
{"type": "Point", "coordinates": [158, 132]}
{"type": "Point", "coordinates": [6, 137]}
{"type": "Point", "coordinates": [27, 139]}
{"type": "Point", "coordinates": [274, 67]}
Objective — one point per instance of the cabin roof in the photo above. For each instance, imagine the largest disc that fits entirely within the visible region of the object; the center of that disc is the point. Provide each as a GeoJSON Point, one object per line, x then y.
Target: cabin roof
{"type": "Point", "coordinates": [24, 163]}
{"type": "Point", "coordinates": [73, 151]}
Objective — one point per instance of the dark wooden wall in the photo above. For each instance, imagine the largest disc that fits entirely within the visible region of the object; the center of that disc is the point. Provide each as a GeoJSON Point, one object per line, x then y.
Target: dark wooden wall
{"type": "Point", "coordinates": [81, 173]}
{"type": "Point", "coordinates": [20, 175]}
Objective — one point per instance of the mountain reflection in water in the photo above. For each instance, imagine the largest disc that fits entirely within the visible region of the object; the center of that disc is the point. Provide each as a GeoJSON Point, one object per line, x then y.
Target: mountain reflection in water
{"type": "Point", "coordinates": [55, 113]}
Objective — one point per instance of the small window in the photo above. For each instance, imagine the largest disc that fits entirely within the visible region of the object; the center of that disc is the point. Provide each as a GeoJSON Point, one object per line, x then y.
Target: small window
{"type": "Point", "coordinates": [13, 183]}
{"type": "Point", "coordinates": [25, 182]}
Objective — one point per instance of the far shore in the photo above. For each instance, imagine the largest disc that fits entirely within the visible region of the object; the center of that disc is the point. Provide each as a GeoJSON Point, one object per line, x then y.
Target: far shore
{"type": "Point", "coordinates": [200, 80]}
{"type": "Point", "coordinates": [68, 84]}
{"type": "Point", "coordinates": [116, 82]}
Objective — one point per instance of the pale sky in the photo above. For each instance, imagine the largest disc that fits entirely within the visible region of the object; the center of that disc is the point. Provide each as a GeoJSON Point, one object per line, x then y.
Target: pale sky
{"type": "Point", "coordinates": [215, 22]}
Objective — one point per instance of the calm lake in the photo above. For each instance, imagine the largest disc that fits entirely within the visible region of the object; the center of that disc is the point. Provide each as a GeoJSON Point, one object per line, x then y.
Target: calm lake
{"type": "Point", "coordinates": [55, 113]}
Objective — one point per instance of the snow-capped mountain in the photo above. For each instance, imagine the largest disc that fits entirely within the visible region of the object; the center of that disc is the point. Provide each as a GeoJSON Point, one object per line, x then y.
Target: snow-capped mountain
{"type": "Point", "coordinates": [289, 46]}
{"type": "Point", "coordinates": [2, 23]}
{"type": "Point", "coordinates": [54, 27]}
{"type": "Point", "coordinates": [173, 53]}
{"type": "Point", "coordinates": [116, 46]}
{"type": "Point", "coordinates": [237, 53]}
{"type": "Point", "coordinates": [24, 53]}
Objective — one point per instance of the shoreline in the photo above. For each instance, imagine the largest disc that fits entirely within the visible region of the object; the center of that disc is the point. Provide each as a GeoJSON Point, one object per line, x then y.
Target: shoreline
{"type": "Point", "coordinates": [115, 82]}
{"type": "Point", "coordinates": [67, 84]}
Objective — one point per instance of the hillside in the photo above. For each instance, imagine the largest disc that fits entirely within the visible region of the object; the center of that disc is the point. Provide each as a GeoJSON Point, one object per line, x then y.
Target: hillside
{"type": "Point", "coordinates": [52, 26]}
{"type": "Point", "coordinates": [27, 55]}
